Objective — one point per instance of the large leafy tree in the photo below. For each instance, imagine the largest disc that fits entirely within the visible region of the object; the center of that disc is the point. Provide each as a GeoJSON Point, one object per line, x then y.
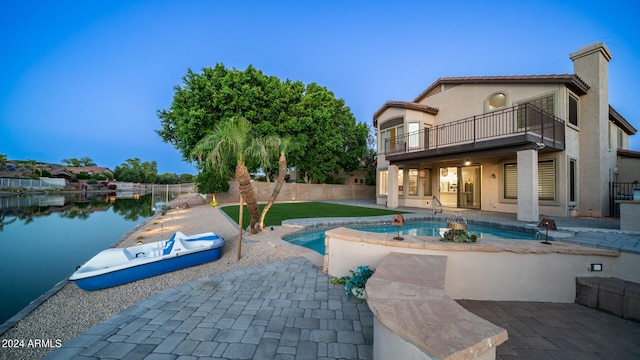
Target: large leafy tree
{"type": "Point", "coordinates": [135, 170]}
{"type": "Point", "coordinates": [330, 140]}
{"type": "Point", "coordinates": [73, 162]}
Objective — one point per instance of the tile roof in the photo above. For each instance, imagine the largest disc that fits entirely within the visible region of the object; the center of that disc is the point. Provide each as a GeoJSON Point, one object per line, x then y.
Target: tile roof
{"type": "Point", "coordinates": [629, 153]}
{"type": "Point", "coordinates": [621, 121]}
{"type": "Point", "coordinates": [403, 105]}
{"type": "Point", "coordinates": [88, 169]}
{"type": "Point", "coordinates": [572, 81]}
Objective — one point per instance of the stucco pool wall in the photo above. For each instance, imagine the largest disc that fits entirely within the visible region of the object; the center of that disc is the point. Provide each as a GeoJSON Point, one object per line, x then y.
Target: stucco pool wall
{"type": "Point", "coordinates": [491, 269]}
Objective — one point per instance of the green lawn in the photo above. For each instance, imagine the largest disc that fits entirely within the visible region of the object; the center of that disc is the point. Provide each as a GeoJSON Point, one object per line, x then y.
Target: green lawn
{"type": "Point", "coordinates": [285, 211]}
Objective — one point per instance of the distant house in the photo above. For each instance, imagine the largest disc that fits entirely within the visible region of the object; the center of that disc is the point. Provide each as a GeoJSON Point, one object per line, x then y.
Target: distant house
{"type": "Point", "coordinates": [91, 170]}
{"type": "Point", "coordinates": [60, 172]}
{"type": "Point", "coordinates": [628, 166]}
{"type": "Point", "coordinates": [521, 144]}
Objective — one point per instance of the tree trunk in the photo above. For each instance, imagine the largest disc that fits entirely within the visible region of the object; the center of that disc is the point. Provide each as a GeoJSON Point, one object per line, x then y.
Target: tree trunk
{"type": "Point", "coordinates": [246, 190]}
{"type": "Point", "coordinates": [276, 189]}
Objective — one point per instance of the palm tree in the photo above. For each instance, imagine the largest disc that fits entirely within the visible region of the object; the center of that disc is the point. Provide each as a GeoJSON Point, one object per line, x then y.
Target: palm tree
{"type": "Point", "coordinates": [283, 144]}
{"type": "Point", "coordinates": [234, 140]}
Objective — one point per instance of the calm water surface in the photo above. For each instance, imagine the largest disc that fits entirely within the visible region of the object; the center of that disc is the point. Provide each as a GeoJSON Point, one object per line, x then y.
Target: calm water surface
{"type": "Point", "coordinates": [44, 238]}
{"type": "Point", "coordinates": [314, 239]}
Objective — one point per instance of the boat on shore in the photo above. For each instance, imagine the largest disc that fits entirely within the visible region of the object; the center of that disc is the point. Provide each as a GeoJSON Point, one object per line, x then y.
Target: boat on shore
{"type": "Point", "coordinates": [117, 266]}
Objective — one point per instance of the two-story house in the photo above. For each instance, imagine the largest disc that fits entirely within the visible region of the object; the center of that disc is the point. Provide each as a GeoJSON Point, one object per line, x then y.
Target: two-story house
{"type": "Point", "coordinates": [531, 145]}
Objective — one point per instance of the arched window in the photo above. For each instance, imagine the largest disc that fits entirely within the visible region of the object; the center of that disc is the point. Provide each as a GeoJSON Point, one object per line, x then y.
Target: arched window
{"type": "Point", "coordinates": [496, 101]}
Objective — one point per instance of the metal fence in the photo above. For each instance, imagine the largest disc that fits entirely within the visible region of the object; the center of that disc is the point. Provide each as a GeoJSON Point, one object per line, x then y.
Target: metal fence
{"type": "Point", "coordinates": [163, 194]}
{"type": "Point", "coordinates": [620, 191]}
{"type": "Point", "coordinates": [521, 119]}
{"type": "Point", "coordinates": [42, 183]}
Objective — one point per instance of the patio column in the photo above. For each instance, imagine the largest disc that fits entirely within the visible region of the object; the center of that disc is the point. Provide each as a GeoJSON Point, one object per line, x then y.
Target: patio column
{"type": "Point", "coordinates": [392, 191]}
{"type": "Point", "coordinates": [528, 186]}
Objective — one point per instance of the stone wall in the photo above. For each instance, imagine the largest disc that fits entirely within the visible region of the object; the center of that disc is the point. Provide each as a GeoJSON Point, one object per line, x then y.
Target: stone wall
{"type": "Point", "coordinates": [300, 192]}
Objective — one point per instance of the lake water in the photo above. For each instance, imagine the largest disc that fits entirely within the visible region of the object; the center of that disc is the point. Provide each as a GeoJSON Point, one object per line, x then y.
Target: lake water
{"type": "Point", "coordinates": [44, 238]}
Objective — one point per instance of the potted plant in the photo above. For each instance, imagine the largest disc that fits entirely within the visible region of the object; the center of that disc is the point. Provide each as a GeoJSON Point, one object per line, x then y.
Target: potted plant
{"type": "Point", "coordinates": [459, 236]}
{"type": "Point", "coordinates": [354, 284]}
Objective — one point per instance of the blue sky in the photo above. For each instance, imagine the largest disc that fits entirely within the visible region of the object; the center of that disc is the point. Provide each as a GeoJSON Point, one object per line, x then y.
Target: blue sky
{"type": "Point", "coordinates": [85, 78]}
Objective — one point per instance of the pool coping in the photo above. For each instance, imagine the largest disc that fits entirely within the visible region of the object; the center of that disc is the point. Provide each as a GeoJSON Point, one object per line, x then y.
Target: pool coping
{"type": "Point", "coordinates": [320, 223]}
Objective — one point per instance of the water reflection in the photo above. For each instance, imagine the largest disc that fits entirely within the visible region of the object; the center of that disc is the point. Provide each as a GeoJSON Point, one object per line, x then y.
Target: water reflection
{"type": "Point", "coordinates": [50, 235]}
{"type": "Point", "coordinates": [81, 206]}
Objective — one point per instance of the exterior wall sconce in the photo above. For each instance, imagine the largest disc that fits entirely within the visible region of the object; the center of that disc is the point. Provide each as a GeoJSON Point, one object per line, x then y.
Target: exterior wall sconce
{"type": "Point", "coordinates": [595, 267]}
{"type": "Point", "coordinates": [493, 176]}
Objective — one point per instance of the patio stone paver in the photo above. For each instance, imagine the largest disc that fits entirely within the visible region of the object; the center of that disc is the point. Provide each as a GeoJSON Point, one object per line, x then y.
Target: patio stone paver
{"type": "Point", "coordinates": [282, 310]}
{"type": "Point", "coordinates": [558, 331]}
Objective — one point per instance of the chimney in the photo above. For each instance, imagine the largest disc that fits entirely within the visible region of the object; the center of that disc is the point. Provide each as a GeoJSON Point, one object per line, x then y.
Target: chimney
{"type": "Point", "coordinates": [591, 64]}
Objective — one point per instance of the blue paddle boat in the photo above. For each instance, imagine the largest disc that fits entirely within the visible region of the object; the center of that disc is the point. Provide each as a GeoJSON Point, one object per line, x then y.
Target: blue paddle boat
{"type": "Point", "coordinates": [118, 266]}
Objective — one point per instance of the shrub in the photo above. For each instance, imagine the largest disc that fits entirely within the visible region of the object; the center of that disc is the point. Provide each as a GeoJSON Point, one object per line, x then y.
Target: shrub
{"type": "Point", "coordinates": [356, 280]}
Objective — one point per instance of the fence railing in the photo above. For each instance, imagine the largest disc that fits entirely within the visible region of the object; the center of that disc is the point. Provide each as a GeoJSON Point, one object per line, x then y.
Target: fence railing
{"type": "Point", "coordinates": [164, 193]}
{"type": "Point", "coordinates": [619, 191]}
{"type": "Point", "coordinates": [42, 183]}
{"type": "Point", "coordinates": [521, 119]}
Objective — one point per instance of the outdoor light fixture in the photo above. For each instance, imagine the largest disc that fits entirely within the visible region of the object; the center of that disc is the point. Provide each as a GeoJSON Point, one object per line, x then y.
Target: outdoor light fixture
{"type": "Point", "coordinates": [467, 163]}
{"type": "Point", "coordinates": [548, 224]}
{"type": "Point", "coordinates": [595, 267]}
{"type": "Point", "coordinates": [398, 220]}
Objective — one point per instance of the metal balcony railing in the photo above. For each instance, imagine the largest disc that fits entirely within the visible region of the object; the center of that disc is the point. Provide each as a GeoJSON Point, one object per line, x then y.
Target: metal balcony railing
{"type": "Point", "coordinates": [518, 120]}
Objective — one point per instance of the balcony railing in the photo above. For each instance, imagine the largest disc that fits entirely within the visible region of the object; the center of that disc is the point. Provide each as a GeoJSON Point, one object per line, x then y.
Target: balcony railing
{"type": "Point", "coordinates": [525, 119]}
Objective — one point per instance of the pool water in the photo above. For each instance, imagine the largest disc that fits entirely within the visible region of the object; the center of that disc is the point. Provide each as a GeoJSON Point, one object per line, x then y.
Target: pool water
{"type": "Point", "coordinates": [314, 239]}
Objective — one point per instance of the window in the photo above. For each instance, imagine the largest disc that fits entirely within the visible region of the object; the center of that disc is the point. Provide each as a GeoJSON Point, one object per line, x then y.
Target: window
{"type": "Point", "coordinates": [620, 139]}
{"type": "Point", "coordinates": [496, 101]}
{"type": "Point", "coordinates": [545, 103]}
{"type": "Point", "coordinates": [573, 180]}
{"type": "Point", "coordinates": [400, 182]}
{"type": "Point", "coordinates": [510, 181]}
{"type": "Point", "coordinates": [573, 110]}
{"type": "Point", "coordinates": [390, 138]}
{"type": "Point", "coordinates": [414, 135]}
{"type": "Point", "coordinates": [413, 182]}
{"type": "Point", "coordinates": [426, 182]}
{"type": "Point", "coordinates": [546, 180]}
{"type": "Point", "coordinates": [383, 177]}
{"type": "Point", "coordinates": [389, 133]}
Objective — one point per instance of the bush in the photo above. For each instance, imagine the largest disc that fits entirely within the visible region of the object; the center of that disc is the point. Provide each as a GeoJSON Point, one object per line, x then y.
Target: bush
{"type": "Point", "coordinates": [356, 280]}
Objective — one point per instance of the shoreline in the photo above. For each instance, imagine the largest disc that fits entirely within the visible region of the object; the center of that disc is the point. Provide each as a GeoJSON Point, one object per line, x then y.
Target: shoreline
{"type": "Point", "coordinates": [12, 321]}
{"type": "Point", "coordinates": [66, 311]}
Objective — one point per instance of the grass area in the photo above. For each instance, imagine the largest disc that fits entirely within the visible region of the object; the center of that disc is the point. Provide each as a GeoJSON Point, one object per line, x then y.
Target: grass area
{"type": "Point", "coordinates": [285, 211]}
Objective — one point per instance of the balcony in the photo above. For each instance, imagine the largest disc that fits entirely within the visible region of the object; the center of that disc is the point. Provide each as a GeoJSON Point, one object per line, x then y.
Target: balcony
{"type": "Point", "coordinates": [517, 128]}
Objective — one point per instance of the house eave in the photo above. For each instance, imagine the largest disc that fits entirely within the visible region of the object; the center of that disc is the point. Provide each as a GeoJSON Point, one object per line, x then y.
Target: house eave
{"type": "Point", "coordinates": [629, 153]}
{"type": "Point", "coordinates": [622, 123]}
{"type": "Point", "coordinates": [403, 105]}
{"type": "Point", "coordinates": [572, 81]}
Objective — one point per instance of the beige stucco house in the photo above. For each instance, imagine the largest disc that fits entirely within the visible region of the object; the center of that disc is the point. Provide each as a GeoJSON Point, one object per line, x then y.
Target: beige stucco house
{"type": "Point", "coordinates": [531, 145]}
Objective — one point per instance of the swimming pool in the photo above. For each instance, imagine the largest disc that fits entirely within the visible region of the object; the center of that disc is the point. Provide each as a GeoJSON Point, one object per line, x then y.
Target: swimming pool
{"type": "Point", "coordinates": [314, 239]}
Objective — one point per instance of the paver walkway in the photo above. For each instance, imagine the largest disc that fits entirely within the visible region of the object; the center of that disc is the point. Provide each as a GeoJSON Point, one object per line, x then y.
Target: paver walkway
{"type": "Point", "coordinates": [284, 310]}
{"type": "Point", "coordinates": [558, 331]}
